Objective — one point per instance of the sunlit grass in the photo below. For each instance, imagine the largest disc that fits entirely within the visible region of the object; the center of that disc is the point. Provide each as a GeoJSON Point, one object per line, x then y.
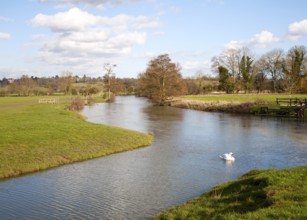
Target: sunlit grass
{"type": "Point", "coordinates": [260, 194]}
{"type": "Point", "coordinates": [38, 136]}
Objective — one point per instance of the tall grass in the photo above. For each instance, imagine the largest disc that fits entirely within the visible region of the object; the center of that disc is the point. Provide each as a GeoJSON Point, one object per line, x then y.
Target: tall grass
{"type": "Point", "coordinates": [260, 194]}
{"type": "Point", "coordinates": [39, 136]}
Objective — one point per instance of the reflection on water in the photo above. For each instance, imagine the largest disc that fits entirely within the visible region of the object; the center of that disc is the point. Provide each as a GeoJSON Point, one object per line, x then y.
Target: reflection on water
{"type": "Point", "coordinates": [182, 163]}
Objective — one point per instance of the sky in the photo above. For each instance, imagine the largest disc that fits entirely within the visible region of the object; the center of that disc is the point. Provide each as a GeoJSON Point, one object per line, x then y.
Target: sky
{"type": "Point", "coordinates": [50, 37]}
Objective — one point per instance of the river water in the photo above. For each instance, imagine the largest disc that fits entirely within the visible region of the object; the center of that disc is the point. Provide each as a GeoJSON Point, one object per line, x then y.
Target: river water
{"type": "Point", "coordinates": [183, 162]}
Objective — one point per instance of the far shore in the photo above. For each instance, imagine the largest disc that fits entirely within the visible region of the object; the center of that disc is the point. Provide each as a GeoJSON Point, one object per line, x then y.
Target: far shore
{"type": "Point", "coordinates": [230, 103]}
{"type": "Point", "coordinates": [215, 106]}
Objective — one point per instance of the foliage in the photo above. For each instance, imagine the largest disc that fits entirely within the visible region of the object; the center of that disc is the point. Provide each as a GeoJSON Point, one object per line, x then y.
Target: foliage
{"type": "Point", "coordinates": [161, 80]}
{"type": "Point", "coordinates": [273, 72]}
{"type": "Point", "coordinates": [294, 66]}
{"type": "Point", "coordinates": [259, 194]}
{"type": "Point", "coordinates": [226, 82]}
{"type": "Point", "coordinates": [246, 72]}
{"type": "Point", "coordinates": [36, 136]}
{"type": "Point", "coordinates": [66, 84]}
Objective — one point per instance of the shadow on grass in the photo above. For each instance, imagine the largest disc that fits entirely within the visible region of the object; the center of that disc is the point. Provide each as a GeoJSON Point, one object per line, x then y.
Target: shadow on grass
{"type": "Point", "coordinates": [242, 196]}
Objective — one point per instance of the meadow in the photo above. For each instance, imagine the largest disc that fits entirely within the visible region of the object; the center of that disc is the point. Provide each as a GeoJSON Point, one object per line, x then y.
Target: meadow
{"type": "Point", "coordinates": [35, 137]}
{"type": "Point", "coordinates": [259, 194]}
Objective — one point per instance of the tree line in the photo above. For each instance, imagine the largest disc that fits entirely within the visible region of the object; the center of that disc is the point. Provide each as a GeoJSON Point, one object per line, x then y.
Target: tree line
{"type": "Point", "coordinates": [66, 84]}
{"type": "Point", "coordinates": [275, 71]}
{"type": "Point", "coordinates": [236, 70]}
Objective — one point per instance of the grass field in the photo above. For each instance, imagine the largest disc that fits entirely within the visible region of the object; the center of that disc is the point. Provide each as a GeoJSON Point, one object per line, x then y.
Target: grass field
{"type": "Point", "coordinates": [260, 194]}
{"type": "Point", "coordinates": [36, 136]}
{"type": "Point", "coordinates": [243, 97]}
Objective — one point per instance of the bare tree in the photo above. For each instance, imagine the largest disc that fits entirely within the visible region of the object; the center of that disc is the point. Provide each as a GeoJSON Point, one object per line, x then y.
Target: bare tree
{"type": "Point", "coordinates": [66, 82]}
{"type": "Point", "coordinates": [270, 64]}
{"type": "Point", "coordinates": [23, 86]}
{"type": "Point", "coordinates": [109, 75]}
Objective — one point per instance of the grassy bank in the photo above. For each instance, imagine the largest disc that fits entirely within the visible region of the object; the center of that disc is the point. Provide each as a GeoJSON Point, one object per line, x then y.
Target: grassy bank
{"type": "Point", "coordinates": [235, 103]}
{"type": "Point", "coordinates": [260, 194]}
{"type": "Point", "coordinates": [36, 136]}
{"type": "Point", "coordinates": [243, 97]}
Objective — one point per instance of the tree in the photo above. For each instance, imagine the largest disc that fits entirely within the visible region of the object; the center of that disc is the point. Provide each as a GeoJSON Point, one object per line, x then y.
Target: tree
{"type": "Point", "coordinates": [161, 80]}
{"type": "Point", "coordinates": [199, 80]}
{"type": "Point", "coordinates": [66, 82]}
{"type": "Point", "coordinates": [294, 67]}
{"type": "Point", "coordinates": [270, 64]}
{"type": "Point", "coordinates": [246, 72]}
{"type": "Point", "coordinates": [109, 77]}
{"type": "Point", "coordinates": [23, 86]}
{"type": "Point", "coordinates": [231, 59]}
{"type": "Point", "coordinates": [225, 80]}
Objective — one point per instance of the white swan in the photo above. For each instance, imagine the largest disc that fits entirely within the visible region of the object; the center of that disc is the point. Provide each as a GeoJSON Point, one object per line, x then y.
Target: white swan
{"type": "Point", "coordinates": [228, 156]}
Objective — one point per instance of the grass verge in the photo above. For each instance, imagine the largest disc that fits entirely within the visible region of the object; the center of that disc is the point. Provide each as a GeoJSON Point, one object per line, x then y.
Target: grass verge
{"type": "Point", "coordinates": [259, 194]}
{"type": "Point", "coordinates": [36, 136]}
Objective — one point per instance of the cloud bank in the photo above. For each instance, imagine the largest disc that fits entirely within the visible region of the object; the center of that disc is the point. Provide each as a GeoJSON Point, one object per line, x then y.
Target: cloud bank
{"type": "Point", "coordinates": [260, 40]}
{"type": "Point", "coordinates": [80, 38]}
{"type": "Point", "coordinates": [296, 30]}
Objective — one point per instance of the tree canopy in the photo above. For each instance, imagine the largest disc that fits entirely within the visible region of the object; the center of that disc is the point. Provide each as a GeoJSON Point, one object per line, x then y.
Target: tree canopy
{"type": "Point", "coordinates": [161, 80]}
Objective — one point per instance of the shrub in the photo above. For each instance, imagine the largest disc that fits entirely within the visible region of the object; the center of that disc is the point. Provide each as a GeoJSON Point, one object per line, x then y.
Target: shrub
{"type": "Point", "coordinates": [76, 104]}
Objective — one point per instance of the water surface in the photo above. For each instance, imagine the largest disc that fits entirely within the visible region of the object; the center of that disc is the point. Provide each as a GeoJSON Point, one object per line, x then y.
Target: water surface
{"type": "Point", "coordinates": [182, 163]}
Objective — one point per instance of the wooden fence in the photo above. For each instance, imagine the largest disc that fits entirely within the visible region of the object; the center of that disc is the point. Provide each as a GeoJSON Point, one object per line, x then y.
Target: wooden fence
{"type": "Point", "coordinates": [48, 101]}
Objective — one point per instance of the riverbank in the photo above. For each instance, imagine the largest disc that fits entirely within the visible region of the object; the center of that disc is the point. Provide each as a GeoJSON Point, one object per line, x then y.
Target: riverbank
{"type": "Point", "coordinates": [36, 137]}
{"type": "Point", "coordinates": [259, 194]}
{"type": "Point", "coordinates": [216, 106]}
{"type": "Point", "coordinates": [234, 103]}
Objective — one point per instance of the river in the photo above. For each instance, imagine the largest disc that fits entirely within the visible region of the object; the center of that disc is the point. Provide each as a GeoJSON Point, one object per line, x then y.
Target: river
{"type": "Point", "coordinates": [182, 163]}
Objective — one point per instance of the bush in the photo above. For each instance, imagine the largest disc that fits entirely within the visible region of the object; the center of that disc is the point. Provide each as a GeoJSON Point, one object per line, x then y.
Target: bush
{"type": "Point", "coordinates": [76, 104]}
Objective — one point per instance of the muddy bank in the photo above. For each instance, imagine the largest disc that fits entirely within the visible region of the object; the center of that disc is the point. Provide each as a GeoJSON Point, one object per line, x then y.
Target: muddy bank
{"type": "Point", "coordinates": [215, 106]}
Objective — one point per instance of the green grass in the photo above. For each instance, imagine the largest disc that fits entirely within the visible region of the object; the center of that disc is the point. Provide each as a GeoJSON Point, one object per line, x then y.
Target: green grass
{"type": "Point", "coordinates": [243, 97]}
{"type": "Point", "coordinates": [36, 136]}
{"type": "Point", "coordinates": [259, 194]}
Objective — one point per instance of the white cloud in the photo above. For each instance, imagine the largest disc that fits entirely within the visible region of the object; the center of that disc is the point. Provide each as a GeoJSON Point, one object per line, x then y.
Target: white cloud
{"type": "Point", "coordinates": [80, 38]}
{"type": "Point", "coordinates": [234, 45]}
{"type": "Point", "coordinates": [77, 20]}
{"type": "Point", "coordinates": [261, 40]}
{"type": "Point", "coordinates": [297, 30]}
{"type": "Point", "coordinates": [4, 35]}
{"type": "Point", "coordinates": [72, 20]}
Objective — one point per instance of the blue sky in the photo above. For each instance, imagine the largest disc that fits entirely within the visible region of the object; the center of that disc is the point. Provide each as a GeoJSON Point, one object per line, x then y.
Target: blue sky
{"type": "Point", "coordinates": [49, 37]}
